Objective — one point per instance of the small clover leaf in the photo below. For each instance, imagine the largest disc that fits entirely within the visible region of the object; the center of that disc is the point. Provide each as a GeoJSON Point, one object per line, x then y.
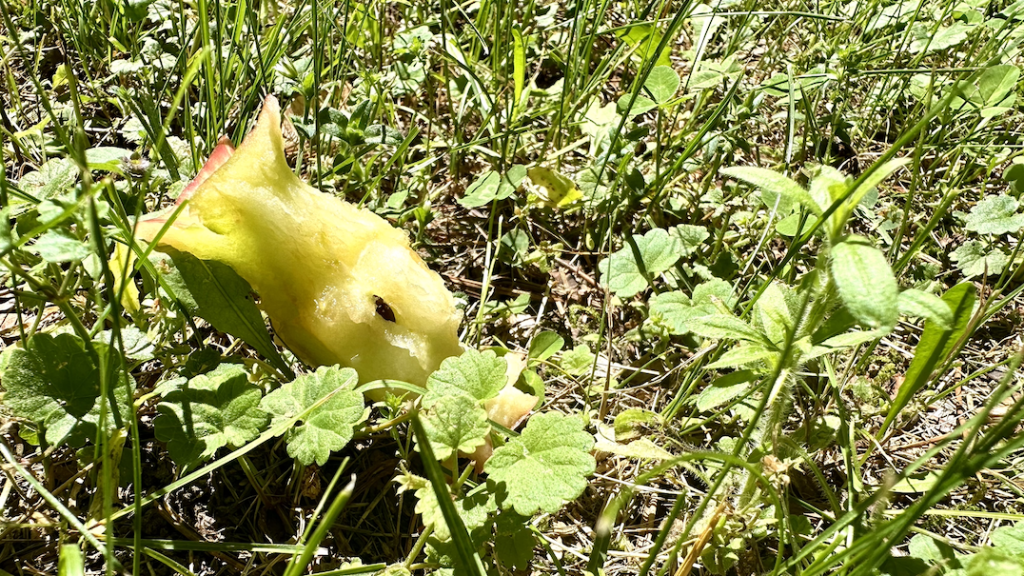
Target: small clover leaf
{"type": "Point", "coordinates": [479, 375]}
{"type": "Point", "coordinates": [629, 270]}
{"type": "Point", "coordinates": [328, 427]}
{"type": "Point", "coordinates": [213, 410]}
{"type": "Point", "coordinates": [995, 215]}
{"type": "Point", "coordinates": [55, 382]}
{"type": "Point", "coordinates": [546, 466]}
{"type": "Point", "coordinates": [455, 423]}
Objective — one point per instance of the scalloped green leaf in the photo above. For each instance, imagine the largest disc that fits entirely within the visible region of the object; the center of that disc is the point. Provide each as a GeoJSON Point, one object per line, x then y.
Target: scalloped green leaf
{"type": "Point", "coordinates": [55, 382]}
{"type": "Point", "coordinates": [479, 375]}
{"type": "Point", "coordinates": [328, 427]}
{"type": "Point", "coordinates": [690, 237]}
{"type": "Point", "coordinates": [545, 467]}
{"type": "Point", "coordinates": [213, 410]}
{"type": "Point", "coordinates": [473, 508]}
{"type": "Point", "coordinates": [514, 548]}
{"type": "Point", "coordinates": [630, 269]}
{"type": "Point", "coordinates": [456, 423]}
{"type": "Point", "coordinates": [674, 309]}
{"type": "Point", "coordinates": [974, 259]}
{"type": "Point", "coordinates": [995, 215]}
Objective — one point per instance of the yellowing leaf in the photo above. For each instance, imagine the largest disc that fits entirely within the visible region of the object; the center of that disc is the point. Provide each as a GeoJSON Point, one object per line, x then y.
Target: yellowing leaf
{"type": "Point", "coordinates": [555, 190]}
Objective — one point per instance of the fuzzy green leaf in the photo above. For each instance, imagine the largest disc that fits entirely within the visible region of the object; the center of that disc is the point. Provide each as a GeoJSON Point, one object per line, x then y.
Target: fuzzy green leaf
{"type": "Point", "coordinates": [454, 424]}
{"type": "Point", "coordinates": [328, 427]}
{"type": "Point", "coordinates": [473, 508]}
{"type": "Point", "coordinates": [995, 215]}
{"type": "Point", "coordinates": [546, 466]}
{"type": "Point", "coordinates": [479, 375]}
{"type": "Point", "coordinates": [674, 309]}
{"type": "Point", "coordinates": [775, 188]}
{"type": "Point", "coordinates": [627, 271]}
{"type": "Point", "coordinates": [928, 306]}
{"type": "Point", "coordinates": [55, 382]}
{"type": "Point", "coordinates": [742, 356]}
{"type": "Point", "coordinates": [545, 345]}
{"type": "Point", "coordinates": [577, 361]}
{"type": "Point", "coordinates": [973, 259]}
{"type": "Point", "coordinates": [724, 389]}
{"type": "Point", "coordinates": [690, 237]}
{"type": "Point", "coordinates": [216, 409]}
{"type": "Point", "coordinates": [774, 315]}
{"type": "Point", "coordinates": [866, 283]}
{"type": "Point", "coordinates": [1010, 539]}
{"type": "Point", "coordinates": [514, 548]}
{"type": "Point", "coordinates": [493, 186]}
{"type": "Point", "coordinates": [724, 327]}
{"type": "Point", "coordinates": [59, 246]}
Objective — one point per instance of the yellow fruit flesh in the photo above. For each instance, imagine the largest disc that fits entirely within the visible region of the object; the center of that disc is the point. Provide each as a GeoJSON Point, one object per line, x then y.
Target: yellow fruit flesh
{"type": "Point", "coordinates": [329, 275]}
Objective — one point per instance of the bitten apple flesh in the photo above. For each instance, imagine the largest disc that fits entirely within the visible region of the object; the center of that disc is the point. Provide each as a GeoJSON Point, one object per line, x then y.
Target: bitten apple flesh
{"type": "Point", "coordinates": [340, 284]}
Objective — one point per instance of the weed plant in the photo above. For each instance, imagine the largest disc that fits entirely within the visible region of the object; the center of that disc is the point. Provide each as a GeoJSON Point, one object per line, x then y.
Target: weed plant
{"type": "Point", "coordinates": [761, 263]}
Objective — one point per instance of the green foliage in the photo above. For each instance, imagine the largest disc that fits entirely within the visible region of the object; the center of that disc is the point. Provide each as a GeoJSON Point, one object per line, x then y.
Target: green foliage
{"type": "Point", "coordinates": [213, 410]}
{"type": "Point", "coordinates": [632, 268]}
{"type": "Point", "coordinates": [456, 423]}
{"type": "Point", "coordinates": [54, 382]}
{"type": "Point", "coordinates": [546, 466]}
{"type": "Point", "coordinates": [995, 215]}
{"type": "Point", "coordinates": [477, 375]}
{"type": "Point", "coordinates": [329, 406]}
{"type": "Point", "coordinates": [866, 283]}
{"type": "Point", "coordinates": [740, 350]}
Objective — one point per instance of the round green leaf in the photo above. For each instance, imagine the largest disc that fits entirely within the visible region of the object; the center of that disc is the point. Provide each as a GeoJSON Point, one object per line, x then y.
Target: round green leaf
{"type": "Point", "coordinates": [455, 424]}
{"type": "Point", "coordinates": [546, 466]}
{"type": "Point", "coordinates": [328, 427]}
